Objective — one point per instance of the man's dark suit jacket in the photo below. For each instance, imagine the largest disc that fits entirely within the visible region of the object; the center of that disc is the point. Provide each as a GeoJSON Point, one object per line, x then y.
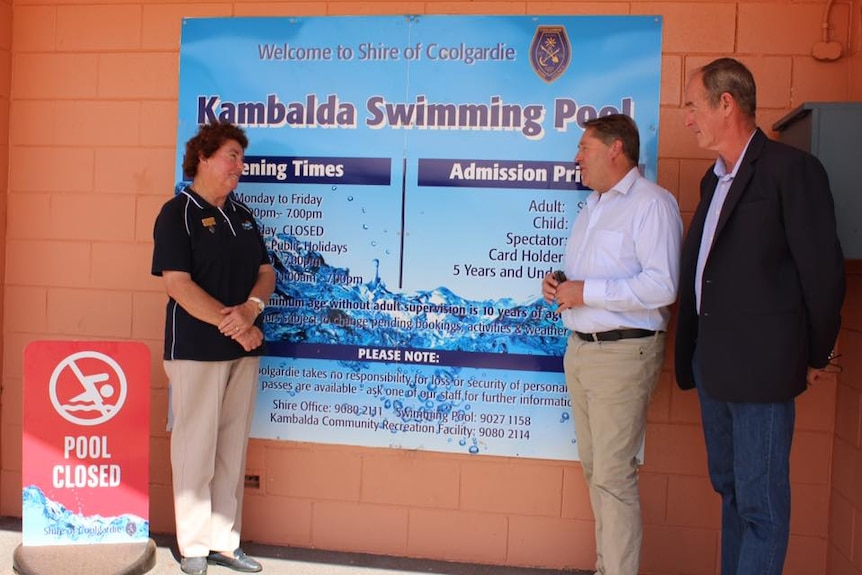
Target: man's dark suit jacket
{"type": "Point", "coordinates": [773, 284]}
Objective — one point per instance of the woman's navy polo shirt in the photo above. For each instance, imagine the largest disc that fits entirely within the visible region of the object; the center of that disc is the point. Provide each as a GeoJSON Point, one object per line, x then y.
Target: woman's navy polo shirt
{"type": "Point", "coordinates": [222, 250]}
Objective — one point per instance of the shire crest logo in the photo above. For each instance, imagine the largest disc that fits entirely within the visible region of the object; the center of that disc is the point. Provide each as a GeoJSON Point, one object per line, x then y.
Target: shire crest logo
{"type": "Point", "coordinates": [550, 52]}
{"type": "Point", "coordinates": [88, 388]}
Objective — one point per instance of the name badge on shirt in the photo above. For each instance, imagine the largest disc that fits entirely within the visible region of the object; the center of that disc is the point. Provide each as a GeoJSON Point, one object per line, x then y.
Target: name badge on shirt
{"type": "Point", "coordinates": [209, 224]}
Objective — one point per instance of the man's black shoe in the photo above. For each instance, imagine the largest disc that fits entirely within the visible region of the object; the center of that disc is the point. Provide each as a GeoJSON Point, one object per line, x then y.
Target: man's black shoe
{"type": "Point", "coordinates": [194, 565]}
{"type": "Point", "coordinates": [238, 562]}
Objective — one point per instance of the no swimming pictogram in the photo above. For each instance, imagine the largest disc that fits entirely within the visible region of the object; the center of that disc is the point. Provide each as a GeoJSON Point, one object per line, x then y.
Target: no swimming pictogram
{"type": "Point", "coordinates": [88, 388]}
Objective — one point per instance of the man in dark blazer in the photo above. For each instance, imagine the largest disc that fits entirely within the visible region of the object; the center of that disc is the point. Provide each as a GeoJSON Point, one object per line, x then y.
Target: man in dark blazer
{"type": "Point", "coordinates": [761, 288]}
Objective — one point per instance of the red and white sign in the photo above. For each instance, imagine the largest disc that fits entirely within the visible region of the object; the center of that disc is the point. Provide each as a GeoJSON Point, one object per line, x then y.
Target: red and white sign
{"type": "Point", "coordinates": [85, 470]}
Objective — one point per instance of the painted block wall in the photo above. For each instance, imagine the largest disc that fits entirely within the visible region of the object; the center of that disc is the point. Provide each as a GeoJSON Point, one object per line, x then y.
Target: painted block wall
{"type": "Point", "coordinates": [845, 509]}
{"type": "Point", "coordinates": [5, 90]}
{"type": "Point", "coordinates": [88, 101]}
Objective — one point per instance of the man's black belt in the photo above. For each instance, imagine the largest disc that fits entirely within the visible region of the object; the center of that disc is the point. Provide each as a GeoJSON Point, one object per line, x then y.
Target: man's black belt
{"type": "Point", "coordinates": [615, 334]}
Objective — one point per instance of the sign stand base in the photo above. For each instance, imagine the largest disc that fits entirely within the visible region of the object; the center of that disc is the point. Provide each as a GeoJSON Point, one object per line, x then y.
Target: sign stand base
{"type": "Point", "coordinates": [104, 559]}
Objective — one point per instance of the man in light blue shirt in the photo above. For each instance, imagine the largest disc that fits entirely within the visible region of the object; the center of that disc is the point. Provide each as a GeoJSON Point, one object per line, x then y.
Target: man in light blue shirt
{"type": "Point", "coordinates": [622, 273]}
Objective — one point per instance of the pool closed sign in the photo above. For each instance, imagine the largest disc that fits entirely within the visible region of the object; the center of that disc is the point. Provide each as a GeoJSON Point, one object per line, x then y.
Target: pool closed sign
{"type": "Point", "coordinates": [85, 468]}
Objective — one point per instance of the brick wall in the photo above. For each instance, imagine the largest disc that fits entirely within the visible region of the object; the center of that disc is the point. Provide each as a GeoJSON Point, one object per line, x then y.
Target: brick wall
{"type": "Point", "coordinates": [91, 129]}
{"type": "Point", "coordinates": [5, 89]}
{"type": "Point", "coordinates": [845, 512]}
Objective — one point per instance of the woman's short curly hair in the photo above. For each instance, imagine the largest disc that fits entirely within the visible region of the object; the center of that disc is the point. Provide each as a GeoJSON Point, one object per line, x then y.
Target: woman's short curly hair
{"type": "Point", "coordinates": [209, 138]}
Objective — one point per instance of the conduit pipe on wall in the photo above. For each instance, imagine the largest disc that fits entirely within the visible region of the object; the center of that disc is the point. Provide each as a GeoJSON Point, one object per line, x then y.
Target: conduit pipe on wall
{"type": "Point", "coordinates": [826, 50]}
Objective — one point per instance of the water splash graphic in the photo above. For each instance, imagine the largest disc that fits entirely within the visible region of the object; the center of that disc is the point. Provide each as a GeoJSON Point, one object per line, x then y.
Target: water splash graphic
{"type": "Point", "coordinates": [319, 303]}
{"type": "Point", "coordinates": [47, 522]}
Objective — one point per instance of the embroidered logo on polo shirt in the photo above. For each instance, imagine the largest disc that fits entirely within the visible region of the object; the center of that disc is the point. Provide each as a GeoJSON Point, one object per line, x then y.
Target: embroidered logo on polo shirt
{"type": "Point", "coordinates": [246, 225]}
{"type": "Point", "coordinates": [209, 224]}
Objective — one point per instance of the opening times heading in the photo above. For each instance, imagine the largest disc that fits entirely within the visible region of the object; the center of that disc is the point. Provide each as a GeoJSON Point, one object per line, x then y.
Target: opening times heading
{"type": "Point", "coordinates": [317, 170]}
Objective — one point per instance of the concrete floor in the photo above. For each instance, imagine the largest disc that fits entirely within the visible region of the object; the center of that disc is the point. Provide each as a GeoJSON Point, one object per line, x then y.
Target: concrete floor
{"type": "Point", "coordinates": [113, 560]}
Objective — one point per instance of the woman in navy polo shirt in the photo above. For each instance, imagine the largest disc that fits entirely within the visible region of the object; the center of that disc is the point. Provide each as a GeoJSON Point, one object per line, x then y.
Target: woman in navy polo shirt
{"type": "Point", "coordinates": [217, 273]}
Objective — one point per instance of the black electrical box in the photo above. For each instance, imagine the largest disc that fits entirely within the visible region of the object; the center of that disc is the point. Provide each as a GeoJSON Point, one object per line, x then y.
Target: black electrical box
{"type": "Point", "coordinates": [832, 131]}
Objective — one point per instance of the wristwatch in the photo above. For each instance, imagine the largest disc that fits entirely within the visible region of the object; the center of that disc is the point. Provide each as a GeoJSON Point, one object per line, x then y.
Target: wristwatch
{"type": "Point", "coordinates": [259, 302]}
